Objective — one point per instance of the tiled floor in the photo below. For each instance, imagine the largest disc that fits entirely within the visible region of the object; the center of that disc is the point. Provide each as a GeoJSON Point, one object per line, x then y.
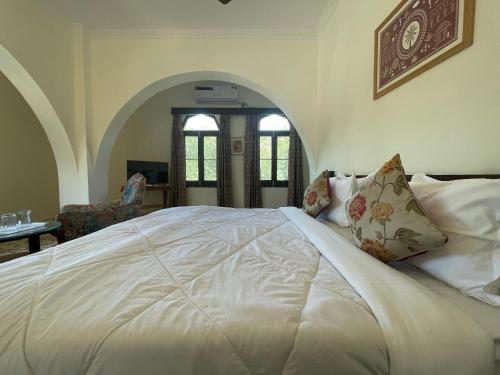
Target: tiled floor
{"type": "Point", "coordinates": [16, 249]}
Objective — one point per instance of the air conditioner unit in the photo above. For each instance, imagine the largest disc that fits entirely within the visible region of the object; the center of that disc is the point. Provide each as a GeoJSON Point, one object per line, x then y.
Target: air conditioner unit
{"type": "Point", "coordinates": [214, 94]}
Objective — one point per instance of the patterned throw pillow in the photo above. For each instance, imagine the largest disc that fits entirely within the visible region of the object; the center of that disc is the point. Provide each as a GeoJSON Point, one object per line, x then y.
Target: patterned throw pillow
{"type": "Point", "coordinates": [318, 195]}
{"type": "Point", "coordinates": [386, 219]}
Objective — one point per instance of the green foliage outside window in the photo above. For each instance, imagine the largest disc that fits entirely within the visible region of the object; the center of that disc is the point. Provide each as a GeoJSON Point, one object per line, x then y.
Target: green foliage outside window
{"type": "Point", "coordinates": [191, 158]}
{"type": "Point", "coordinates": [210, 158]}
{"type": "Point", "coordinates": [266, 156]}
{"type": "Point", "coordinates": [283, 145]}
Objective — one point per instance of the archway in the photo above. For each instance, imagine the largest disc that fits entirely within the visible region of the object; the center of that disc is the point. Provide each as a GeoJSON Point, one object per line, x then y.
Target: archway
{"type": "Point", "coordinates": [63, 152]}
{"type": "Point", "coordinates": [100, 171]}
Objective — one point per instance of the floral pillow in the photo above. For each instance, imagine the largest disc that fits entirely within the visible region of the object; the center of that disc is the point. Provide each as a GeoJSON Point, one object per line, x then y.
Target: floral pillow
{"type": "Point", "coordinates": [318, 195]}
{"type": "Point", "coordinates": [386, 219]}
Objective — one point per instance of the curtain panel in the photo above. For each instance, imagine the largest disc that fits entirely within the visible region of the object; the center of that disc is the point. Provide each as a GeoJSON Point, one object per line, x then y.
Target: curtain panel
{"type": "Point", "coordinates": [295, 171]}
{"type": "Point", "coordinates": [178, 161]}
{"type": "Point", "coordinates": [253, 189]}
{"type": "Point", "coordinates": [224, 173]}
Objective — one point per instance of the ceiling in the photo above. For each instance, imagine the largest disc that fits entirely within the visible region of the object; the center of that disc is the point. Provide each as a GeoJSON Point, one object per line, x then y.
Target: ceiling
{"type": "Point", "coordinates": [293, 16]}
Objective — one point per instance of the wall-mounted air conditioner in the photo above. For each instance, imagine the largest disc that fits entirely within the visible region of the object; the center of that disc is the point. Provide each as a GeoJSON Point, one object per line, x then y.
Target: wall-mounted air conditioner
{"type": "Point", "coordinates": [214, 94]}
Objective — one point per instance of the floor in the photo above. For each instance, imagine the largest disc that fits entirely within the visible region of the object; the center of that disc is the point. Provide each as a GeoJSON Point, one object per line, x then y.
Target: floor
{"type": "Point", "coordinates": [16, 249]}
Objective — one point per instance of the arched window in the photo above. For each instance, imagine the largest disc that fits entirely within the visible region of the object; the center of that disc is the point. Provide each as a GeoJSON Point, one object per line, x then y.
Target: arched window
{"type": "Point", "coordinates": [200, 123]}
{"type": "Point", "coordinates": [274, 123]}
{"type": "Point", "coordinates": [200, 136]}
{"type": "Point", "coordinates": [274, 134]}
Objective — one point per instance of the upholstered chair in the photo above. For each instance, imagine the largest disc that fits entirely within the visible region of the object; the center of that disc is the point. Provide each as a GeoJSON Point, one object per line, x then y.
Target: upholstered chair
{"type": "Point", "coordinates": [80, 220]}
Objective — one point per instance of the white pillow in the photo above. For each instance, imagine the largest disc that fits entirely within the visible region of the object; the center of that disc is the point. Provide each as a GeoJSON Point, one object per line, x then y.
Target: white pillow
{"type": "Point", "coordinates": [494, 287]}
{"type": "Point", "coordinates": [422, 177]}
{"type": "Point", "coordinates": [468, 211]}
{"type": "Point", "coordinates": [341, 188]}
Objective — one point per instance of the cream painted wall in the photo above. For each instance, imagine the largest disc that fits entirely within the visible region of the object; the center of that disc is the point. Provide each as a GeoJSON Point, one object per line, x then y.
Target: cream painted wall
{"type": "Point", "coordinates": [447, 120]}
{"type": "Point", "coordinates": [28, 165]}
{"type": "Point", "coordinates": [43, 44]}
{"type": "Point", "coordinates": [121, 67]}
{"type": "Point", "coordinates": [146, 136]}
{"type": "Point", "coordinates": [37, 56]}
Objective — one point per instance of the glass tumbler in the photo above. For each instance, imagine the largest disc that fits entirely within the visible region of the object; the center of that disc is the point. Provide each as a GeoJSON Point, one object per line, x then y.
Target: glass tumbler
{"type": "Point", "coordinates": [8, 222]}
{"type": "Point", "coordinates": [24, 217]}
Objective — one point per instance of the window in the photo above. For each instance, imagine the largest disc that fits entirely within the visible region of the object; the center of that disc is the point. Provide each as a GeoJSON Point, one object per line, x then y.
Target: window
{"type": "Point", "coordinates": [274, 134]}
{"type": "Point", "coordinates": [200, 136]}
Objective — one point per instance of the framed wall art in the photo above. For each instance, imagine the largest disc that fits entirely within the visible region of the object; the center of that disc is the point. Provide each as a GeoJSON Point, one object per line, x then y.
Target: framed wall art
{"type": "Point", "coordinates": [418, 35]}
{"type": "Point", "coordinates": [237, 146]}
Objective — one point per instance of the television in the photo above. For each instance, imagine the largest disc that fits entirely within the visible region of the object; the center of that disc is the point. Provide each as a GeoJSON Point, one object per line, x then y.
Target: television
{"type": "Point", "coordinates": [155, 172]}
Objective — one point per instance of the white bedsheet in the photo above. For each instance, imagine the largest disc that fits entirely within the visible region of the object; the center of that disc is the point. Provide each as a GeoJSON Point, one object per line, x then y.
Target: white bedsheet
{"type": "Point", "coordinates": [204, 290]}
{"type": "Point", "coordinates": [486, 316]}
{"type": "Point", "coordinates": [424, 335]}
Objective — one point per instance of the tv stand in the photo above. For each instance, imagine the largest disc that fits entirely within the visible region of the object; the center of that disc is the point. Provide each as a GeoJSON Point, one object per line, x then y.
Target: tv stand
{"type": "Point", "coordinates": [165, 189]}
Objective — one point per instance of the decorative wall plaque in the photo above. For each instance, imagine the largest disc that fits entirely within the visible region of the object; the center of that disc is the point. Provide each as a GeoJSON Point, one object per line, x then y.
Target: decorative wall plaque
{"type": "Point", "coordinates": [237, 146]}
{"type": "Point", "coordinates": [418, 35]}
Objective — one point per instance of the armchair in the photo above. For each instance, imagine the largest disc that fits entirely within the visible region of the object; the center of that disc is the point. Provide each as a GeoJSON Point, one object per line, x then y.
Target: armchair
{"type": "Point", "coordinates": [80, 220]}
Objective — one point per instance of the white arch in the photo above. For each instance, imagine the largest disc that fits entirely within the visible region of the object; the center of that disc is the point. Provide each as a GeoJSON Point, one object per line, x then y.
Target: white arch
{"type": "Point", "coordinates": [63, 152]}
{"type": "Point", "coordinates": [113, 130]}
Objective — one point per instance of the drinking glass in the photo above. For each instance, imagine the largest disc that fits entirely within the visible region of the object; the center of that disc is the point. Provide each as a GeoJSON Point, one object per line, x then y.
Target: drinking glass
{"type": "Point", "coordinates": [8, 222]}
{"type": "Point", "coordinates": [24, 217]}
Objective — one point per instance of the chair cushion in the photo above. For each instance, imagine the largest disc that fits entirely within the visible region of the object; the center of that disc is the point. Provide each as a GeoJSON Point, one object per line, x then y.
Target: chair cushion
{"type": "Point", "coordinates": [135, 190]}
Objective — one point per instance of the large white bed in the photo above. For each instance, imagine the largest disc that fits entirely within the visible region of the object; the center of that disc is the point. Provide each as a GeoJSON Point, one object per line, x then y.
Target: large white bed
{"type": "Point", "coordinates": [486, 316]}
{"type": "Point", "coordinates": [203, 290]}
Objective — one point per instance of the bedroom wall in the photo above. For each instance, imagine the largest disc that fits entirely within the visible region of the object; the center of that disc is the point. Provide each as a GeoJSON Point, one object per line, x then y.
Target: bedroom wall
{"type": "Point", "coordinates": [122, 65]}
{"type": "Point", "coordinates": [43, 44]}
{"type": "Point", "coordinates": [147, 136]}
{"type": "Point", "coordinates": [37, 55]}
{"type": "Point", "coordinates": [444, 121]}
{"type": "Point", "coordinates": [28, 165]}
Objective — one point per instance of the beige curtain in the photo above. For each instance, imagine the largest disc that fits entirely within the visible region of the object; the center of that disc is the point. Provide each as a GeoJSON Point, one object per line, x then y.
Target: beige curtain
{"type": "Point", "coordinates": [224, 173]}
{"type": "Point", "coordinates": [253, 189]}
{"type": "Point", "coordinates": [295, 170]}
{"type": "Point", "coordinates": [178, 163]}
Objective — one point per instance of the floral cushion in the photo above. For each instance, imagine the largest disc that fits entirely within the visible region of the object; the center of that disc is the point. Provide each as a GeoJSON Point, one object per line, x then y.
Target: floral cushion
{"type": "Point", "coordinates": [134, 190]}
{"type": "Point", "coordinates": [386, 219]}
{"type": "Point", "coordinates": [318, 195]}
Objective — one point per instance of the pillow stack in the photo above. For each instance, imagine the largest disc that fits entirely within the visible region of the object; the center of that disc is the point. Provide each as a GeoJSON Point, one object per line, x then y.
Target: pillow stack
{"type": "Point", "coordinates": [468, 211]}
{"type": "Point", "coordinates": [342, 189]}
{"type": "Point", "coordinates": [449, 229]}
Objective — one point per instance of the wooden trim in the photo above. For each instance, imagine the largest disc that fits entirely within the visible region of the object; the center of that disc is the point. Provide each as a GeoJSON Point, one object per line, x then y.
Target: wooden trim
{"type": "Point", "coordinates": [468, 39]}
{"type": "Point", "coordinates": [225, 111]}
{"type": "Point", "coordinates": [445, 177]}
{"type": "Point", "coordinates": [452, 177]}
{"type": "Point", "coordinates": [201, 157]}
{"type": "Point", "coordinates": [274, 182]}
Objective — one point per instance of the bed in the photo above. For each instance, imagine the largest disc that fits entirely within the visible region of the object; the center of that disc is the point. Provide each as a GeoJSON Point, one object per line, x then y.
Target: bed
{"type": "Point", "coordinates": [484, 315]}
{"type": "Point", "coordinates": [205, 290]}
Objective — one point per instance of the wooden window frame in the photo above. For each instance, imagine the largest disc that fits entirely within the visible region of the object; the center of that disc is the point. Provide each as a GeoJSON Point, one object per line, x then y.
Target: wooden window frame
{"type": "Point", "coordinates": [274, 182]}
{"type": "Point", "coordinates": [201, 134]}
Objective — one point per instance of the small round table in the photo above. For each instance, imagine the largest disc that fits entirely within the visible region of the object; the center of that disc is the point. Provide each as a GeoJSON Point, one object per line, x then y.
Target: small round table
{"type": "Point", "coordinates": [33, 235]}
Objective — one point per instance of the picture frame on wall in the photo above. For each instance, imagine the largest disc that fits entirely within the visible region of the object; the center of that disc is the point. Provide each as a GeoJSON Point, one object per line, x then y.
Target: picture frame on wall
{"type": "Point", "coordinates": [418, 35]}
{"type": "Point", "coordinates": [237, 146]}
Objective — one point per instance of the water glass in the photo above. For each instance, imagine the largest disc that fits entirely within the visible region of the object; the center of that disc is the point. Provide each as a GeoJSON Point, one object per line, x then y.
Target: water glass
{"type": "Point", "coordinates": [24, 217]}
{"type": "Point", "coordinates": [8, 222]}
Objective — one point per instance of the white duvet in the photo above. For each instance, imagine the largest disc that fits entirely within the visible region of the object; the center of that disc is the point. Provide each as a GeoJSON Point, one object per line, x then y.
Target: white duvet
{"type": "Point", "coordinates": [204, 290]}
